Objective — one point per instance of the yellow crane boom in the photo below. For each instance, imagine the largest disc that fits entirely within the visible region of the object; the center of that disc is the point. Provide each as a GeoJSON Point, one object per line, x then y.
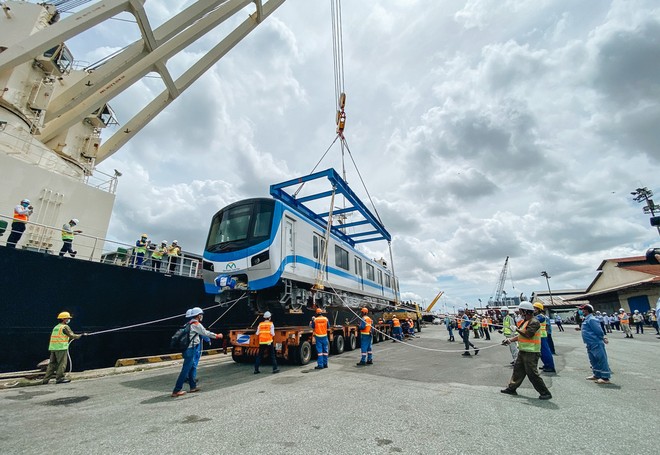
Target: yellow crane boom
{"type": "Point", "coordinates": [435, 300]}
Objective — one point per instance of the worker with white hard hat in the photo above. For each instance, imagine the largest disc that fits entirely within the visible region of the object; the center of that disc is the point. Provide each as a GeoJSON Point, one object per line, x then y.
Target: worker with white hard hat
{"type": "Point", "coordinates": [638, 319]}
{"type": "Point", "coordinates": [22, 214]}
{"type": "Point", "coordinates": [594, 338]}
{"type": "Point", "coordinates": [189, 368]}
{"type": "Point", "coordinates": [529, 343]}
{"type": "Point", "coordinates": [266, 334]}
{"type": "Point", "coordinates": [157, 256]}
{"type": "Point", "coordinates": [67, 237]}
{"type": "Point", "coordinates": [624, 320]}
{"type": "Point", "coordinates": [508, 328]}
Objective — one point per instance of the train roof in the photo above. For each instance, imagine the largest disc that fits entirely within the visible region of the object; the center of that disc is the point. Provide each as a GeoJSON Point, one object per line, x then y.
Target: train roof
{"type": "Point", "coordinates": [370, 227]}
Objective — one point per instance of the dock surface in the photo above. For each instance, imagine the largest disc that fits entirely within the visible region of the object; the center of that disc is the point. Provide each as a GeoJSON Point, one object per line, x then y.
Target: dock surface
{"type": "Point", "coordinates": [413, 400]}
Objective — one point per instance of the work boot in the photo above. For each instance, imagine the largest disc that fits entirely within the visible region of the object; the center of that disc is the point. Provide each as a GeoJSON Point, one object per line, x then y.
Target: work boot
{"type": "Point", "coordinates": [63, 381]}
{"type": "Point", "coordinates": [257, 371]}
{"type": "Point", "coordinates": [466, 354]}
{"type": "Point", "coordinates": [318, 367]}
{"type": "Point", "coordinates": [370, 362]}
{"type": "Point", "coordinates": [509, 391]}
{"type": "Point", "coordinates": [476, 351]}
{"type": "Point", "coordinates": [361, 364]}
{"type": "Point", "coordinates": [545, 396]}
{"type": "Point", "coordinates": [325, 366]}
{"type": "Point", "coordinates": [276, 370]}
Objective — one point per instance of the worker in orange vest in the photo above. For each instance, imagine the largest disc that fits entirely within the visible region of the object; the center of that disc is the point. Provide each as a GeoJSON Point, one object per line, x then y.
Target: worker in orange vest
{"type": "Point", "coordinates": [484, 327]}
{"type": "Point", "coordinates": [397, 331]}
{"type": "Point", "coordinates": [22, 214]}
{"type": "Point", "coordinates": [365, 339]}
{"type": "Point", "coordinates": [266, 333]}
{"type": "Point", "coordinates": [320, 325]}
{"type": "Point", "coordinates": [624, 319]}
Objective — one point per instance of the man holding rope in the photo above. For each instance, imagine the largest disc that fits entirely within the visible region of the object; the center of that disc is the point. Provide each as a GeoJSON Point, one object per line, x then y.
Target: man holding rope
{"type": "Point", "coordinates": [59, 349]}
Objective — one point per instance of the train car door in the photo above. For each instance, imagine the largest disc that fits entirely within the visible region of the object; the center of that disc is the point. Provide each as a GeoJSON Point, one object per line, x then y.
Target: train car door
{"type": "Point", "coordinates": [358, 272]}
{"type": "Point", "coordinates": [288, 243]}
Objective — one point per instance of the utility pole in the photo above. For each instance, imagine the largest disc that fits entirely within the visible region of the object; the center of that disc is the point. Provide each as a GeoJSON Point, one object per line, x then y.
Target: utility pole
{"type": "Point", "coordinates": [547, 280]}
{"type": "Point", "coordinates": [645, 195]}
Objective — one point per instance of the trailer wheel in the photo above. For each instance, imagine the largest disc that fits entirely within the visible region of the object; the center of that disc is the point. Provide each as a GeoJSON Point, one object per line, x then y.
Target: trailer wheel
{"type": "Point", "coordinates": [242, 358]}
{"type": "Point", "coordinates": [338, 345]}
{"type": "Point", "coordinates": [304, 353]}
{"type": "Point", "coordinates": [352, 342]}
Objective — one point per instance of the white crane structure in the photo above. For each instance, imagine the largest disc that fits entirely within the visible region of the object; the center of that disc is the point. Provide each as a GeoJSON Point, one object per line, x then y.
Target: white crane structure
{"type": "Point", "coordinates": [52, 113]}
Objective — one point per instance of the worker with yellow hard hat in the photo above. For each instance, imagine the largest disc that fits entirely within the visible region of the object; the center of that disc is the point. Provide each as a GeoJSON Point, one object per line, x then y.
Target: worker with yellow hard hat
{"type": "Point", "coordinates": [546, 352]}
{"type": "Point", "coordinates": [60, 338]}
{"type": "Point", "coordinates": [320, 325]}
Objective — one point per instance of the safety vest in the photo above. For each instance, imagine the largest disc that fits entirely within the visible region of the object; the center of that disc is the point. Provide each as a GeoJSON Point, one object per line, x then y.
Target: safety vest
{"type": "Point", "coordinates": [321, 326]}
{"type": "Point", "coordinates": [624, 318]}
{"type": "Point", "coordinates": [141, 247]}
{"type": "Point", "coordinates": [19, 217]}
{"type": "Point", "coordinates": [264, 333]}
{"type": "Point", "coordinates": [544, 332]}
{"type": "Point", "coordinates": [396, 322]}
{"type": "Point", "coordinates": [506, 325]}
{"type": "Point", "coordinates": [67, 232]}
{"type": "Point", "coordinates": [59, 341]}
{"type": "Point", "coordinates": [158, 254]}
{"type": "Point", "coordinates": [173, 251]}
{"type": "Point", "coordinates": [475, 324]}
{"type": "Point", "coordinates": [484, 322]}
{"type": "Point", "coordinates": [529, 344]}
{"type": "Point", "coordinates": [367, 327]}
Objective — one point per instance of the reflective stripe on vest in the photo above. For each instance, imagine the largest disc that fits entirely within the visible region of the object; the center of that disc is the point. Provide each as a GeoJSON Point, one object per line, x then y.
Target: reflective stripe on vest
{"type": "Point", "coordinates": [19, 217]}
{"type": "Point", "coordinates": [506, 325]}
{"type": "Point", "coordinates": [624, 319]}
{"type": "Point", "coordinates": [158, 254]}
{"type": "Point", "coordinates": [396, 322]}
{"type": "Point", "coordinates": [58, 340]}
{"type": "Point", "coordinates": [543, 330]}
{"type": "Point", "coordinates": [321, 326]}
{"type": "Point", "coordinates": [141, 247]}
{"type": "Point", "coordinates": [529, 344]}
{"type": "Point", "coordinates": [367, 328]}
{"type": "Point", "coordinates": [67, 234]}
{"type": "Point", "coordinates": [264, 333]}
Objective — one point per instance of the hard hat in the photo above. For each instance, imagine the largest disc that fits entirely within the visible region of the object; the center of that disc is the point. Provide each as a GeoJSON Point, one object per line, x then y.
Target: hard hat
{"type": "Point", "coordinates": [175, 242]}
{"type": "Point", "coordinates": [526, 306]}
{"type": "Point", "coordinates": [164, 242]}
{"type": "Point", "coordinates": [25, 201]}
{"type": "Point", "coordinates": [75, 220]}
{"type": "Point", "coordinates": [188, 311]}
{"type": "Point", "coordinates": [64, 315]}
{"type": "Point", "coordinates": [504, 308]}
{"type": "Point", "coordinates": [267, 315]}
{"type": "Point", "coordinates": [364, 311]}
{"type": "Point", "coordinates": [319, 311]}
{"type": "Point", "coordinates": [597, 312]}
{"type": "Point", "coordinates": [621, 310]}
{"type": "Point", "coordinates": [538, 305]}
{"type": "Point", "coordinates": [144, 236]}
{"type": "Point", "coordinates": [196, 312]}
{"type": "Point", "coordinates": [636, 311]}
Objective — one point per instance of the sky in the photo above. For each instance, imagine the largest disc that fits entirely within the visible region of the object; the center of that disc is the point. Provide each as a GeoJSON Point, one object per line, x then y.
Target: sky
{"type": "Point", "coordinates": [481, 129]}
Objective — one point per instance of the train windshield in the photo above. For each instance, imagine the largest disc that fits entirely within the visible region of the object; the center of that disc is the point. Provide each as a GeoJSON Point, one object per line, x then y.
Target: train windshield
{"type": "Point", "coordinates": [240, 226]}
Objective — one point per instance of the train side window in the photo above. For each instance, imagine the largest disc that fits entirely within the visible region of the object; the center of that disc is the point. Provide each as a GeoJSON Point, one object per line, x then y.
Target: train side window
{"type": "Point", "coordinates": [358, 266]}
{"type": "Point", "coordinates": [341, 258]}
{"type": "Point", "coordinates": [388, 284]}
{"type": "Point", "coordinates": [370, 272]}
{"type": "Point", "coordinates": [380, 277]}
{"type": "Point", "coordinates": [315, 247]}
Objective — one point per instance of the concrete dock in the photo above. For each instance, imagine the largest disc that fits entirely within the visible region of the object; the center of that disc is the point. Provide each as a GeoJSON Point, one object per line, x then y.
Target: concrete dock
{"type": "Point", "coordinates": [413, 400]}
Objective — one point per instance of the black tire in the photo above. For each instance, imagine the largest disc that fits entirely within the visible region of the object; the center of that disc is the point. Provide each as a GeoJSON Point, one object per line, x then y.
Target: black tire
{"type": "Point", "coordinates": [242, 358]}
{"type": "Point", "coordinates": [351, 343]}
{"type": "Point", "coordinates": [338, 345]}
{"type": "Point", "coordinates": [304, 353]}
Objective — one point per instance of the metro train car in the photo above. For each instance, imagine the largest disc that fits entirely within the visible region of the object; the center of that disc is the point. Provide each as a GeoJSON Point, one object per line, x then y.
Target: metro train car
{"type": "Point", "coordinates": [272, 250]}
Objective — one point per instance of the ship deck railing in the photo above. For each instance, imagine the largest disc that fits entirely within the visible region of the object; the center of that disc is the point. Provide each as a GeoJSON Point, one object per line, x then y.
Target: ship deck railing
{"type": "Point", "coordinates": [47, 239]}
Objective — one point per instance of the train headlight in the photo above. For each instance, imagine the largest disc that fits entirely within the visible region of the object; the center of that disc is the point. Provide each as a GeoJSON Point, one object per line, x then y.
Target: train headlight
{"type": "Point", "coordinates": [206, 265]}
{"type": "Point", "coordinates": [261, 257]}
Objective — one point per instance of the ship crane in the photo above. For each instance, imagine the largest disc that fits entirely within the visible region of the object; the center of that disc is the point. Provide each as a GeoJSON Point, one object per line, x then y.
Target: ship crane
{"type": "Point", "coordinates": [496, 299]}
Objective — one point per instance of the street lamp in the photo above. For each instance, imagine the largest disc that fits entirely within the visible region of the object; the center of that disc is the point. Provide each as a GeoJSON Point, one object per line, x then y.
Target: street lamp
{"type": "Point", "coordinates": [547, 280]}
{"type": "Point", "coordinates": [645, 195]}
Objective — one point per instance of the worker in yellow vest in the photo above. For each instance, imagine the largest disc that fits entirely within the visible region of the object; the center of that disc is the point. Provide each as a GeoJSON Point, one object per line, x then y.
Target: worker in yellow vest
{"type": "Point", "coordinates": [157, 256]}
{"type": "Point", "coordinates": [22, 214]}
{"type": "Point", "coordinates": [529, 343]}
{"type": "Point", "coordinates": [174, 251]}
{"type": "Point", "coordinates": [140, 251]}
{"type": "Point", "coordinates": [67, 237]}
{"type": "Point", "coordinates": [320, 325]}
{"type": "Point", "coordinates": [266, 333]}
{"type": "Point", "coordinates": [59, 348]}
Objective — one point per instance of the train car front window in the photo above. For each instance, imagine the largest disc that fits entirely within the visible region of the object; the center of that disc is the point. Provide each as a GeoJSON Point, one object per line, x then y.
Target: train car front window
{"type": "Point", "coordinates": [240, 226]}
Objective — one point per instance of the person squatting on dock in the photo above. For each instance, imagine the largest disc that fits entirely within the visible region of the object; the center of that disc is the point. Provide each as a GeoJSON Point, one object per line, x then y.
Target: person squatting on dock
{"type": "Point", "coordinates": [320, 326]}
{"type": "Point", "coordinates": [595, 340]}
{"type": "Point", "coordinates": [466, 323]}
{"type": "Point", "coordinates": [67, 237]}
{"type": "Point", "coordinates": [189, 367]}
{"type": "Point", "coordinates": [22, 214]}
{"type": "Point", "coordinates": [59, 348]}
{"type": "Point", "coordinates": [266, 332]}
{"type": "Point", "coordinates": [365, 339]}
{"type": "Point", "coordinates": [529, 343]}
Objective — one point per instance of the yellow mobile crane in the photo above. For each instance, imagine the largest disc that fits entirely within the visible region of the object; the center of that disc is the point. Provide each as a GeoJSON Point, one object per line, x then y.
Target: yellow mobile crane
{"type": "Point", "coordinates": [435, 300]}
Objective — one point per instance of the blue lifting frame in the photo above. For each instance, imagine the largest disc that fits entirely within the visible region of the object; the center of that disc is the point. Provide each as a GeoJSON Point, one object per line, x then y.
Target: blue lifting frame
{"type": "Point", "coordinates": [341, 187]}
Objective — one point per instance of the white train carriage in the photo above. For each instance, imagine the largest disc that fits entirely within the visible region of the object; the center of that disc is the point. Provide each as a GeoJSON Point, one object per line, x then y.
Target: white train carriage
{"type": "Point", "coordinates": [274, 248]}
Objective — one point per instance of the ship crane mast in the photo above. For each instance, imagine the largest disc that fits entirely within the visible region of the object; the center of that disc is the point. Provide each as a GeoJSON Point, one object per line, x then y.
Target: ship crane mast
{"type": "Point", "coordinates": [497, 299]}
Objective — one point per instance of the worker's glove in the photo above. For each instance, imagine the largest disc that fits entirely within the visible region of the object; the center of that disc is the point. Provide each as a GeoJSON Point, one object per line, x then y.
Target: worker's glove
{"type": "Point", "coordinates": [506, 342]}
{"type": "Point", "coordinates": [85, 334]}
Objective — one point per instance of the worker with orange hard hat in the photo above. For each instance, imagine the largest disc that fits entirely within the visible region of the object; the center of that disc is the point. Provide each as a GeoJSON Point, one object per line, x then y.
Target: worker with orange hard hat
{"type": "Point", "coordinates": [60, 338]}
{"type": "Point", "coordinates": [365, 339]}
{"type": "Point", "coordinates": [320, 325]}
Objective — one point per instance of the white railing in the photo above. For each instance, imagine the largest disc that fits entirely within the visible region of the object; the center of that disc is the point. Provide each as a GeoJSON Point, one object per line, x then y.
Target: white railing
{"type": "Point", "coordinates": [38, 237]}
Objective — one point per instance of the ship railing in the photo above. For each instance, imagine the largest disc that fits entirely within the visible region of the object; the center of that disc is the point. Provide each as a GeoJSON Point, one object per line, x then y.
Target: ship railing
{"type": "Point", "coordinates": [39, 237]}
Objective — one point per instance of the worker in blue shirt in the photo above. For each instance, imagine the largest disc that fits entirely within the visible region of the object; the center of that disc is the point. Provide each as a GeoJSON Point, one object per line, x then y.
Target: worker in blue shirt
{"type": "Point", "coordinates": [466, 323]}
{"type": "Point", "coordinates": [595, 339]}
{"type": "Point", "coordinates": [546, 353]}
